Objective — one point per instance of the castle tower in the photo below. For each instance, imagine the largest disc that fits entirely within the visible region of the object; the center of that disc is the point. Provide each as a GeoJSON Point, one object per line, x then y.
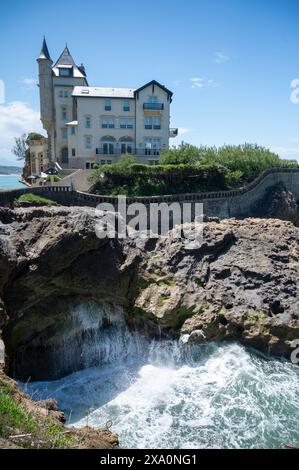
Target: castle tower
{"type": "Point", "coordinates": [65, 76]}
{"type": "Point", "coordinates": [46, 96]}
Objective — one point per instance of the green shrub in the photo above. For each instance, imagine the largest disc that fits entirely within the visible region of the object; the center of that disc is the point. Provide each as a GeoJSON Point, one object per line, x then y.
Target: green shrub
{"type": "Point", "coordinates": [34, 199]}
{"type": "Point", "coordinates": [53, 178]}
{"type": "Point", "coordinates": [187, 169]}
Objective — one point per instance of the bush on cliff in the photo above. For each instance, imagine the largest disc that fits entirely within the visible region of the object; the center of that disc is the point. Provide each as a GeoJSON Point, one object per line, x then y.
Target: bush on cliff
{"type": "Point", "coordinates": [246, 161]}
{"type": "Point", "coordinates": [187, 169]}
{"type": "Point", "coordinates": [148, 180]}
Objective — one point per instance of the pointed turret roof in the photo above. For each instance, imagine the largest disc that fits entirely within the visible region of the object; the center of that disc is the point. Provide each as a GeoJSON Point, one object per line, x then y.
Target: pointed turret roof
{"type": "Point", "coordinates": [44, 53]}
{"type": "Point", "coordinates": [65, 58]}
{"type": "Point", "coordinates": [66, 61]}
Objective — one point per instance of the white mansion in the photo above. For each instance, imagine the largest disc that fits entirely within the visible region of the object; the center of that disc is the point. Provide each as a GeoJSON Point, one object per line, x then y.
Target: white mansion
{"type": "Point", "coordinates": [87, 125]}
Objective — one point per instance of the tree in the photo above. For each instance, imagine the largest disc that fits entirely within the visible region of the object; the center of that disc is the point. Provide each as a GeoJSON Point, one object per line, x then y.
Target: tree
{"type": "Point", "coordinates": [20, 148]}
{"type": "Point", "coordinates": [185, 154]}
{"type": "Point", "coordinates": [34, 136]}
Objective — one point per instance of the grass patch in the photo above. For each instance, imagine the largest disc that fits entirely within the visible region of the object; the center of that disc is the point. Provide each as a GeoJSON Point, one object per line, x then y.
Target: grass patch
{"type": "Point", "coordinates": [34, 199]}
{"type": "Point", "coordinates": [16, 420]}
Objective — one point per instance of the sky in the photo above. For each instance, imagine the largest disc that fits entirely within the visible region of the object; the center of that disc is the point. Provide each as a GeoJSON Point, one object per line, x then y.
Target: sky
{"type": "Point", "coordinates": [230, 63]}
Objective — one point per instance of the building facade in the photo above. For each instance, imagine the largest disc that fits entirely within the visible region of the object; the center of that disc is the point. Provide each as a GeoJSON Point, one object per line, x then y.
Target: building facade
{"type": "Point", "coordinates": [95, 125]}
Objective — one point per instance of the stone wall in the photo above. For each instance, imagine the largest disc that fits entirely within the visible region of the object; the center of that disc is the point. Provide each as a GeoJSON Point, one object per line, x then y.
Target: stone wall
{"type": "Point", "coordinates": [223, 204]}
{"type": "Point", "coordinates": [238, 203]}
{"type": "Point", "coordinates": [61, 194]}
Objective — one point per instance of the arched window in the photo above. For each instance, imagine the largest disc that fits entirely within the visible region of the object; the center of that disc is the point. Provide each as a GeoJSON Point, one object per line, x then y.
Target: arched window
{"type": "Point", "coordinates": [126, 139]}
{"type": "Point", "coordinates": [126, 145]}
{"type": "Point", "coordinates": [107, 138]}
{"type": "Point", "coordinates": [108, 145]}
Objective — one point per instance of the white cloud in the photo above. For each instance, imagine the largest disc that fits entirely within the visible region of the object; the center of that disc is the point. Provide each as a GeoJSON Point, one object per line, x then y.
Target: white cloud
{"type": "Point", "coordinates": [184, 130]}
{"type": "Point", "coordinates": [29, 82]}
{"type": "Point", "coordinates": [221, 58]}
{"type": "Point", "coordinates": [212, 83]}
{"type": "Point", "coordinates": [197, 82]}
{"type": "Point", "coordinates": [16, 118]}
{"type": "Point", "coordinates": [287, 152]}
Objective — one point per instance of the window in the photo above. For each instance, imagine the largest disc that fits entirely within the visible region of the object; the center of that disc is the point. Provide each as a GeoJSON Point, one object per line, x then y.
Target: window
{"type": "Point", "coordinates": [64, 72]}
{"type": "Point", "coordinates": [126, 148]}
{"type": "Point", "coordinates": [88, 142]}
{"type": "Point", "coordinates": [148, 123]}
{"type": "Point", "coordinates": [60, 93]}
{"type": "Point", "coordinates": [64, 113]}
{"type": "Point", "coordinates": [156, 143]}
{"type": "Point", "coordinates": [126, 105]}
{"type": "Point", "coordinates": [73, 130]}
{"type": "Point", "coordinates": [153, 104]}
{"type": "Point", "coordinates": [66, 94]}
{"type": "Point", "coordinates": [73, 152]}
{"type": "Point", "coordinates": [87, 122]}
{"type": "Point", "coordinates": [108, 106]}
{"type": "Point", "coordinates": [64, 133]}
{"type": "Point", "coordinates": [152, 147]}
{"type": "Point", "coordinates": [108, 149]}
{"type": "Point", "coordinates": [126, 123]}
{"type": "Point", "coordinates": [108, 124]}
{"type": "Point", "coordinates": [157, 122]}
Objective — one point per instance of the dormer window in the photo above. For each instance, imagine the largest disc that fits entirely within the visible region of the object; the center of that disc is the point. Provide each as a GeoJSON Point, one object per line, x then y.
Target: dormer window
{"type": "Point", "coordinates": [65, 72]}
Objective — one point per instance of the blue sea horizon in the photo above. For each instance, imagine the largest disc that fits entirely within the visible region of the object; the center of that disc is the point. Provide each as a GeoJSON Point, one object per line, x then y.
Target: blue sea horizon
{"type": "Point", "coordinates": [10, 182]}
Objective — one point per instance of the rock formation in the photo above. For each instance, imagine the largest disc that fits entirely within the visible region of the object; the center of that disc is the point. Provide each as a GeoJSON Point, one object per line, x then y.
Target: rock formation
{"type": "Point", "coordinates": [241, 284]}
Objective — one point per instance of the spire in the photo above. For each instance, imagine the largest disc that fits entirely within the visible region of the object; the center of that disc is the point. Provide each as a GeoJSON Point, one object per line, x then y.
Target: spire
{"type": "Point", "coordinates": [65, 58]}
{"type": "Point", "coordinates": [44, 53]}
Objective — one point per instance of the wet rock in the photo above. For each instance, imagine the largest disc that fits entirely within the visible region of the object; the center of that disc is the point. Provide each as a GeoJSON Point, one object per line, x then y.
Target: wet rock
{"type": "Point", "coordinates": [239, 283]}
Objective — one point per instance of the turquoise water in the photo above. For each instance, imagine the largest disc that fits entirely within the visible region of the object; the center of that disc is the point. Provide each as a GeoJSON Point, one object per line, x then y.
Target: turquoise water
{"type": "Point", "coordinates": [10, 182]}
{"type": "Point", "coordinates": [224, 397]}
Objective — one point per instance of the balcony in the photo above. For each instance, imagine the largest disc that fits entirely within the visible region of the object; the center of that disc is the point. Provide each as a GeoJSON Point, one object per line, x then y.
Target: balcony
{"type": "Point", "coordinates": [148, 152]}
{"type": "Point", "coordinates": [153, 106]}
{"type": "Point", "coordinates": [108, 151]}
{"type": "Point", "coordinates": [138, 152]}
{"type": "Point", "coordinates": [173, 133]}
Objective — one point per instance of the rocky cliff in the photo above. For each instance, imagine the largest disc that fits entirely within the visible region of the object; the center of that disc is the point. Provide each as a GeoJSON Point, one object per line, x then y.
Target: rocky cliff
{"type": "Point", "coordinates": [59, 284]}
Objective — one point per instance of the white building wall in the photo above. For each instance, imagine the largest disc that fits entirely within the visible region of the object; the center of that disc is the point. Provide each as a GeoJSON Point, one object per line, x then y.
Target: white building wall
{"type": "Point", "coordinates": [146, 135]}
{"type": "Point", "coordinates": [94, 109]}
{"type": "Point", "coordinates": [64, 85]}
